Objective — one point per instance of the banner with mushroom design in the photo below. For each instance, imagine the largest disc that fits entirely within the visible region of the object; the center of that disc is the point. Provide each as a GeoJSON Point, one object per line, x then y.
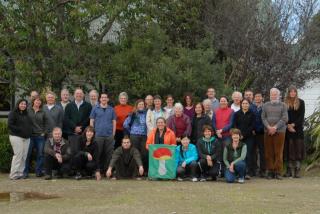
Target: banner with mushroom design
{"type": "Point", "coordinates": [162, 162]}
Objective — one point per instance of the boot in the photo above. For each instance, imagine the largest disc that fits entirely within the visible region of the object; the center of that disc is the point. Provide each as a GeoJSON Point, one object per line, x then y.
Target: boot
{"type": "Point", "coordinates": [297, 170]}
{"type": "Point", "coordinates": [290, 170]}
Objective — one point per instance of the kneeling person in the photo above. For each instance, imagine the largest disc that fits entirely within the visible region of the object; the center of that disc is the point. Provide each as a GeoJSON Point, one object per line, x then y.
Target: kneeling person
{"type": "Point", "coordinates": [57, 154]}
{"type": "Point", "coordinates": [126, 160]}
{"type": "Point", "coordinates": [187, 157]}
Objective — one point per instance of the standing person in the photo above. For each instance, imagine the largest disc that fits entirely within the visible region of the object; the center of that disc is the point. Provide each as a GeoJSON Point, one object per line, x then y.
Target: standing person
{"type": "Point", "coordinates": [210, 154]}
{"type": "Point", "coordinates": [93, 97]}
{"type": "Point", "coordinates": [122, 111]}
{"type": "Point", "coordinates": [274, 117]}
{"type": "Point", "coordinates": [136, 126]}
{"type": "Point", "coordinates": [103, 119]}
{"type": "Point", "coordinates": [179, 123]}
{"type": "Point", "coordinates": [244, 120]}
{"type": "Point", "coordinates": [64, 95]}
{"type": "Point", "coordinates": [222, 121]}
{"type": "Point", "coordinates": [259, 132]}
{"type": "Point", "coordinates": [126, 161]}
{"type": "Point", "coordinates": [149, 102]}
{"type": "Point", "coordinates": [155, 113]}
{"type": "Point", "coordinates": [207, 108]}
{"type": "Point", "coordinates": [211, 95]}
{"type": "Point", "coordinates": [248, 94]}
{"type": "Point", "coordinates": [198, 121]}
{"type": "Point", "coordinates": [234, 156]}
{"type": "Point", "coordinates": [161, 134]}
{"type": "Point", "coordinates": [20, 132]}
{"type": "Point", "coordinates": [85, 161]}
{"type": "Point", "coordinates": [53, 111]}
{"type": "Point", "coordinates": [33, 95]}
{"type": "Point", "coordinates": [169, 106]}
{"type": "Point", "coordinates": [57, 154]}
{"type": "Point", "coordinates": [295, 150]}
{"type": "Point", "coordinates": [40, 129]}
{"type": "Point", "coordinates": [188, 106]}
{"type": "Point", "coordinates": [186, 159]}
{"type": "Point", "coordinates": [76, 119]}
{"type": "Point", "coordinates": [236, 101]}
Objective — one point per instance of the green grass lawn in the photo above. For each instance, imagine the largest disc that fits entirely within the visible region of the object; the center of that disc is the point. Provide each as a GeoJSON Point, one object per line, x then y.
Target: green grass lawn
{"type": "Point", "coordinates": [131, 196]}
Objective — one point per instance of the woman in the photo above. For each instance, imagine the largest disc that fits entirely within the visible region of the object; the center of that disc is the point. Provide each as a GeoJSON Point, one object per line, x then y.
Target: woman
{"type": "Point", "coordinates": [222, 121]}
{"type": "Point", "coordinates": [207, 106]}
{"type": "Point", "coordinates": [198, 121]}
{"type": "Point", "coordinates": [136, 126]}
{"type": "Point", "coordinates": [86, 159]}
{"type": "Point", "coordinates": [40, 129]}
{"type": "Point", "coordinates": [234, 156]}
{"type": "Point", "coordinates": [155, 113]}
{"type": "Point", "coordinates": [236, 101]}
{"type": "Point", "coordinates": [244, 120]}
{"type": "Point", "coordinates": [169, 106]}
{"type": "Point", "coordinates": [179, 123]}
{"type": "Point", "coordinates": [186, 158]}
{"type": "Point", "coordinates": [20, 132]}
{"type": "Point", "coordinates": [161, 134]}
{"type": "Point", "coordinates": [294, 146]}
{"type": "Point", "coordinates": [209, 149]}
{"type": "Point", "coordinates": [188, 106]}
{"type": "Point", "coordinates": [122, 111]}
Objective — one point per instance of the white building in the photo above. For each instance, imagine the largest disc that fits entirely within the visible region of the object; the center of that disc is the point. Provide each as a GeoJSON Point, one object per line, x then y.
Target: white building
{"type": "Point", "coordinates": [311, 95]}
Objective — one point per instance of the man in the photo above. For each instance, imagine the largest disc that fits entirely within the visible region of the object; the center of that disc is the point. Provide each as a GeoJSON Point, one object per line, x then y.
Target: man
{"type": "Point", "coordinates": [57, 154]}
{"type": "Point", "coordinates": [33, 95]}
{"type": "Point", "coordinates": [274, 117]}
{"type": "Point", "coordinates": [126, 160]}
{"type": "Point", "coordinates": [93, 97]}
{"type": "Point", "coordinates": [248, 94]}
{"type": "Point", "coordinates": [64, 99]}
{"type": "Point", "coordinates": [53, 111]}
{"type": "Point", "coordinates": [149, 102]}
{"type": "Point", "coordinates": [103, 119]}
{"type": "Point", "coordinates": [259, 131]}
{"type": "Point", "coordinates": [76, 119]}
{"type": "Point", "coordinates": [211, 94]}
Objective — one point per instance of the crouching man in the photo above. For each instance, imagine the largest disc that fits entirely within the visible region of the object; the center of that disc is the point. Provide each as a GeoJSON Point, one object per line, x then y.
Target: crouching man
{"type": "Point", "coordinates": [57, 154]}
{"type": "Point", "coordinates": [126, 160]}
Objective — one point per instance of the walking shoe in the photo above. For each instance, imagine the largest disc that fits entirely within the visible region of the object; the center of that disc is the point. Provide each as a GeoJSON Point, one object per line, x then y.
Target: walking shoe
{"type": "Point", "coordinates": [78, 176]}
{"type": "Point", "coordinates": [194, 179]}
{"type": "Point", "coordinates": [241, 180]}
{"type": "Point", "coordinates": [296, 173]}
{"type": "Point", "coordinates": [247, 177]}
{"type": "Point", "coordinates": [214, 178]}
{"type": "Point", "coordinates": [278, 176]}
{"type": "Point", "coordinates": [180, 179]}
{"type": "Point", "coordinates": [202, 179]}
{"type": "Point", "coordinates": [47, 177]}
{"type": "Point", "coordinates": [39, 175]}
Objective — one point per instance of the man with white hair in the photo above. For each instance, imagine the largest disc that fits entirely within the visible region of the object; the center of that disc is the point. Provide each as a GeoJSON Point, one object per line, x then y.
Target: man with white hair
{"type": "Point", "coordinates": [211, 94]}
{"type": "Point", "coordinates": [236, 98]}
{"type": "Point", "coordinates": [179, 123]}
{"type": "Point", "coordinates": [64, 96]}
{"type": "Point", "coordinates": [54, 112]}
{"type": "Point", "coordinates": [93, 97]}
{"type": "Point", "coordinates": [274, 117]}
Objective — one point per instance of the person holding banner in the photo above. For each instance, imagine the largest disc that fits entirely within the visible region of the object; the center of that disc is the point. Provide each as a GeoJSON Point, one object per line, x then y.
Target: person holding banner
{"type": "Point", "coordinates": [161, 134]}
{"type": "Point", "coordinates": [186, 159]}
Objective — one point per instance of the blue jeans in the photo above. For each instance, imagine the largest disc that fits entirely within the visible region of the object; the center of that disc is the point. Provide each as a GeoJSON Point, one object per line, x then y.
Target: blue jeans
{"type": "Point", "coordinates": [37, 142]}
{"type": "Point", "coordinates": [239, 169]}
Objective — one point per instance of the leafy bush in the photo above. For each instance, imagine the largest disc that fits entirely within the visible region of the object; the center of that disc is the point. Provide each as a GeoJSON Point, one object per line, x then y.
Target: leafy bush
{"type": "Point", "coordinates": [5, 148]}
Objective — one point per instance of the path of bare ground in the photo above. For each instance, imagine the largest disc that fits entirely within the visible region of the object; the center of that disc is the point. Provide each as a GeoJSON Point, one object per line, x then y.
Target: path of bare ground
{"type": "Point", "coordinates": [131, 196]}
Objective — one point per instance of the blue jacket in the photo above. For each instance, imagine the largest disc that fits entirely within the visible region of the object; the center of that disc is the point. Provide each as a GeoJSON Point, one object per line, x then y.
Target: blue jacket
{"type": "Point", "coordinates": [188, 156]}
{"type": "Point", "coordinates": [259, 127]}
{"type": "Point", "coordinates": [138, 126]}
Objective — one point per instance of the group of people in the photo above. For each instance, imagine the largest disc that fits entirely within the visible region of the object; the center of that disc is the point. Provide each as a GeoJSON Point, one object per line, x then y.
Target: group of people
{"type": "Point", "coordinates": [214, 138]}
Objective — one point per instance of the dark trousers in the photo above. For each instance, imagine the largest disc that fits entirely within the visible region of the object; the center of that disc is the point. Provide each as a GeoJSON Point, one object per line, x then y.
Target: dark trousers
{"type": "Point", "coordinates": [259, 141]}
{"type": "Point", "coordinates": [105, 149]}
{"type": "Point", "coordinates": [51, 163]}
{"type": "Point", "coordinates": [250, 154]}
{"type": "Point", "coordinates": [126, 170]}
{"type": "Point", "coordinates": [139, 142]}
{"type": "Point", "coordinates": [273, 149]}
{"type": "Point", "coordinates": [81, 163]}
{"type": "Point", "coordinates": [118, 138]}
{"type": "Point", "coordinates": [38, 143]}
{"type": "Point", "coordinates": [212, 171]}
{"type": "Point", "coordinates": [74, 142]}
{"type": "Point", "coordinates": [190, 169]}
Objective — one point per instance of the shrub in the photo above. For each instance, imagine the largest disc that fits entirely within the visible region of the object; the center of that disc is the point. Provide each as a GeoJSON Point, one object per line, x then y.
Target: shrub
{"type": "Point", "coordinates": [5, 148]}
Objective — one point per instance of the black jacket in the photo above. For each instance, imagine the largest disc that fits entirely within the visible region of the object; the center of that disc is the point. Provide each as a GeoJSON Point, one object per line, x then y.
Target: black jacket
{"type": "Point", "coordinates": [212, 148]}
{"type": "Point", "coordinates": [91, 148]}
{"type": "Point", "coordinates": [245, 122]}
{"type": "Point", "coordinates": [197, 125]}
{"type": "Point", "coordinates": [19, 123]}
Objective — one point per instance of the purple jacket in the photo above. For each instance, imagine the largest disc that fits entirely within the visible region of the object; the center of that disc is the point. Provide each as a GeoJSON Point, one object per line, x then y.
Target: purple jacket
{"type": "Point", "coordinates": [171, 124]}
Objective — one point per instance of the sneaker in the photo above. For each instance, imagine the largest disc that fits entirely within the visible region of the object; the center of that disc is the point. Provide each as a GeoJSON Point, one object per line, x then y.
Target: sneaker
{"type": "Point", "coordinates": [194, 179]}
{"type": "Point", "coordinates": [180, 179]}
{"type": "Point", "coordinates": [203, 179]}
{"type": "Point", "coordinates": [47, 177]}
{"type": "Point", "coordinates": [214, 178]}
{"type": "Point", "coordinates": [78, 176]}
{"type": "Point", "coordinates": [278, 176]}
{"type": "Point", "coordinates": [241, 180]}
{"type": "Point", "coordinates": [248, 177]}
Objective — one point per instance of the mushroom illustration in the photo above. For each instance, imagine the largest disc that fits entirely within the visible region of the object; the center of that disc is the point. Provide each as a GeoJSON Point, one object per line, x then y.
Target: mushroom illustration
{"type": "Point", "coordinates": [162, 154]}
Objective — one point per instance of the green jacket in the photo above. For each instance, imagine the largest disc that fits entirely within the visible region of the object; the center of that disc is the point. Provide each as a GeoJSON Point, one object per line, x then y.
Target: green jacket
{"type": "Point", "coordinates": [234, 155]}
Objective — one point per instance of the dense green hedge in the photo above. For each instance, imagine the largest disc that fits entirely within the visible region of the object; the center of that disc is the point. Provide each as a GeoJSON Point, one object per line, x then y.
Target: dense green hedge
{"type": "Point", "coordinates": [5, 148]}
